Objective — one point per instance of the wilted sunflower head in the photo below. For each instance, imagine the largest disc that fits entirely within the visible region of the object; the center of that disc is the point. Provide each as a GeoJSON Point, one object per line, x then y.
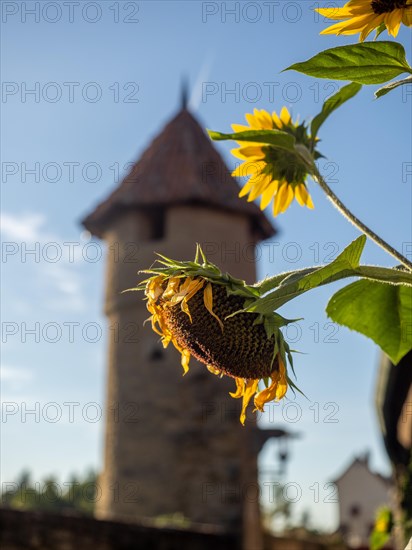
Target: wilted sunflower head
{"type": "Point", "coordinates": [201, 311]}
{"type": "Point", "coordinates": [274, 173]}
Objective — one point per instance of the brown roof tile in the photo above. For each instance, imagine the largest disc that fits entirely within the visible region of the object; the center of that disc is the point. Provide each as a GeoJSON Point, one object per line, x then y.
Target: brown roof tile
{"type": "Point", "coordinates": [181, 166]}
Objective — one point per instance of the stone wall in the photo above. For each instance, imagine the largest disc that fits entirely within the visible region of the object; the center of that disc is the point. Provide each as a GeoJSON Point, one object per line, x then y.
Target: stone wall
{"type": "Point", "coordinates": [42, 531]}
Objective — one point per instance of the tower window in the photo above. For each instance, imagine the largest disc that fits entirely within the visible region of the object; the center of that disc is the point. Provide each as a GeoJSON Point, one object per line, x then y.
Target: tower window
{"type": "Point", "coordinates": [355, 511]}
{"type": "Point", "coordinates": [156, 224]}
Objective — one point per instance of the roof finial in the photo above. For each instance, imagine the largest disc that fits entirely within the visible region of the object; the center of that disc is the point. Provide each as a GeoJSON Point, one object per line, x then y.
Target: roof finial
{"type": "Point", "coordinates": [184, 93]}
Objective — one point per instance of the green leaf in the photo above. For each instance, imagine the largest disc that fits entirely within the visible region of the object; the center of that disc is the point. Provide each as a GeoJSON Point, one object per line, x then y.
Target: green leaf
{"type": "Point", "coordinates": [378, 540]}
{"type": "Point", "coordinates": [348, 259]}
{"type": "Point", "coordinates": [332, 104]}
{"type": "Point", "coordinates": [392, 85]}
{"type": "Point", "coordinates": [276, 138]}
{"type": "Point", "coordinates": [380, 311]}
{"type": "Point", "coordinates": [302, 281]}
{"type": "Point", "coordinates": [365, 63]}
{"type": "Point", "coordinates": [278, 290]}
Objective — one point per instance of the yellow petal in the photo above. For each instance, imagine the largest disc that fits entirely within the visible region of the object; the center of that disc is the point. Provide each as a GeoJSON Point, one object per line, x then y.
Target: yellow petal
{"type": "Point", "coordinates": [268, 194]}
{"type": "Point", "coordinates": [276, 120]}
{"type": "Point", "coordinates": [367, 29]}
{"type": "Point", "coordinates": [309, 203]}
{"type": "Point", "coordinates": [393, 22]}
{"type": "Point", "coordinates": [352, 26]}
{"type": "Point", "coordinates": [185, 360]}
{"type": "Point", "coordinates": [240, 385]}
{"type": "Point", "coordinates": [172, 288]}
{"type": "Point", "coordinates": [240, 128]}
{"type": "Point", "coordinates": [214, 370]}
{"type": "Point", "coordinates": [185, 291]}
{"type": "Point", "coordinates": [190, 291]}
{"type": "Point", "coordinates": [407, 16]}
{"type": "Point", "coordinates": [276, 390]}
{"type": "Point", "coordinates": [208, 301]}
{"type": "Point", "coordinates": [264, 119]}
{"type": "Point", "coordinates": [335, 13]}
{"type": "Point", "coordinates": [154, 288]}
{"type": "Point", "coordinates": [194, 287]}
{"type": "Point", "coordinates": [248, 168]}
{"type": "Point", "coordinates": [288, 198]}
{"type": "Point", "coordinates": [283, 198]}
{"type": "Point", "coordinates": [259, 187]}
{"type": "Point", "coordinates": [285, 116]}
{"type": "Point", "coordinates": [243, 153]}
{"type": "Point", "coordinates": [302, 195]}
{"type": "Point", "coordinates": [185, 308]}
{"type": "Point", "coordinates": [253, 121]}
{"type": "Point", "coordinates": [246, 188]}
{"type": "Point", "coordinates": [250, 390]}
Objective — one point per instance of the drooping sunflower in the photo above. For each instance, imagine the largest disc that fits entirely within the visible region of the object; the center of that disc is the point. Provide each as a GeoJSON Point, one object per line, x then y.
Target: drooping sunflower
{"type": "Point", "coordinates": [200, 311]}
{"type": "Point", "coordinates": [363, 16]}
{"type": "Point", "coordinates": [274, 173]}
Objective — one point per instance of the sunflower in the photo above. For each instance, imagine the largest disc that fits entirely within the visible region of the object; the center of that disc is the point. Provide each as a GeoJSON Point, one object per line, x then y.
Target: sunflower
{"type": "Point", "coordinates": [363, 16]}
{"type": "Point", "coordinates": [274, 173]}
{"type": "Point", "coordinates": [200, 311]}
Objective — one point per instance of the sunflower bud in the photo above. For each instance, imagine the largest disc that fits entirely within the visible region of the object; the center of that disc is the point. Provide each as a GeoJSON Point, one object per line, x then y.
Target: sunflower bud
{"type": "Point", "coordinates": [275, 173]}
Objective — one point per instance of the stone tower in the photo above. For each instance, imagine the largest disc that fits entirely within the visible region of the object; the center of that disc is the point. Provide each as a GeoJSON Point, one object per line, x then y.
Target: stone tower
{"type": "Point", "coordinates": [173, 444]}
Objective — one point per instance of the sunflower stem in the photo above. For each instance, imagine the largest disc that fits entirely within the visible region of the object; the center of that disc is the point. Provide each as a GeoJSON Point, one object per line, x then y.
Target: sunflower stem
{"type": "Point", "coordinates": [356, 222]}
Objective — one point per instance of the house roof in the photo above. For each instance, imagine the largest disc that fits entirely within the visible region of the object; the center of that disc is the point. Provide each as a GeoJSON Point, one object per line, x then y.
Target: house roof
{"type": "Point", "coordinates": [363, 462]}
{"type": "Point", "coordinates": [180, 166]}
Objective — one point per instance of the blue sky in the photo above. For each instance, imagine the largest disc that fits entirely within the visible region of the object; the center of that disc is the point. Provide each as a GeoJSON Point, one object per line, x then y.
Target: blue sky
{"type": "Point", "coordinates": [105, 77]}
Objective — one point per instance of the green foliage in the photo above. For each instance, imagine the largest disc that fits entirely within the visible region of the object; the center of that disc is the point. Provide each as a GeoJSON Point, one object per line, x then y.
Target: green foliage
{"type": "Point", "coordinates": [380, 311]}
{"type": "Point", "coordinates": [333, 103]}
{"type": "Point", "coordinates": [299, 282]}
{"type": "Point", "coordinates": [379, 306]}
{"type": "Point", "coordinates": [382, 529]}
{"type": "Point", "coordinates": [78, 494]}
{"type": "Point", "coordinates": [365, 63]}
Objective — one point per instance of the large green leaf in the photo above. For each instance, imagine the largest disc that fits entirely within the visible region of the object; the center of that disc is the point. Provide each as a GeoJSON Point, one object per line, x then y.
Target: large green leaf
{"type": "Point", "coordinates": [302, 281]}
{"type": "Point", "coordinates": [276, 138]}
{"type": "Point", "coordinates": [365, 63]}
{"type": "Point", "coordinates": [380, 311]}
{"type": "Point", "coordinates": [280, 289]}
{"type": "Point", "coordinates": [332, 104]}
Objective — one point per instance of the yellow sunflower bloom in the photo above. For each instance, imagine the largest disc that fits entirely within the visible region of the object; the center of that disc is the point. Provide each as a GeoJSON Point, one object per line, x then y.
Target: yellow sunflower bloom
{"type": "Point", "coordinates": [363, 16]}
{"type": "Point", "coordinates": [194, 307]}
{"type": "Point", "coordinates": [273, 174]}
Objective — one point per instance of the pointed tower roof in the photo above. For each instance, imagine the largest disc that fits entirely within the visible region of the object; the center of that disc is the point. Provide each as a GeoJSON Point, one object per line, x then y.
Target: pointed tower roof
{"type": "Point", "coordinates": [180, 166]}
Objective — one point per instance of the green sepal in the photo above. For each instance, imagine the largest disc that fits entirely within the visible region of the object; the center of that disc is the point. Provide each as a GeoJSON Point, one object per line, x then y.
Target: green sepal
{"type": "Point", "coordinates": [276, 138]}
{"type": "Point", "coordinates": [379, 30]}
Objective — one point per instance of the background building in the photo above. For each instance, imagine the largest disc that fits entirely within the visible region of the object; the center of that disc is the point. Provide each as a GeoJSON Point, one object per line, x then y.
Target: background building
{"type": "Point", "coordinates": [360, 492]}
{"type": "Point", "coordinates": [173, 445]}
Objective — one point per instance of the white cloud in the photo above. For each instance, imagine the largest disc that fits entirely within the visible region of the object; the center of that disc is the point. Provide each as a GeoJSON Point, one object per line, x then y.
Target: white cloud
{"type": "Point", "coordinates": [60, 280]}
{"type": "Point", "coordinates": [196, 96]}
{"type": "Point", "coordinates": [23, 228]}
{"type": "Point", "coordinates": [15, 378]}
